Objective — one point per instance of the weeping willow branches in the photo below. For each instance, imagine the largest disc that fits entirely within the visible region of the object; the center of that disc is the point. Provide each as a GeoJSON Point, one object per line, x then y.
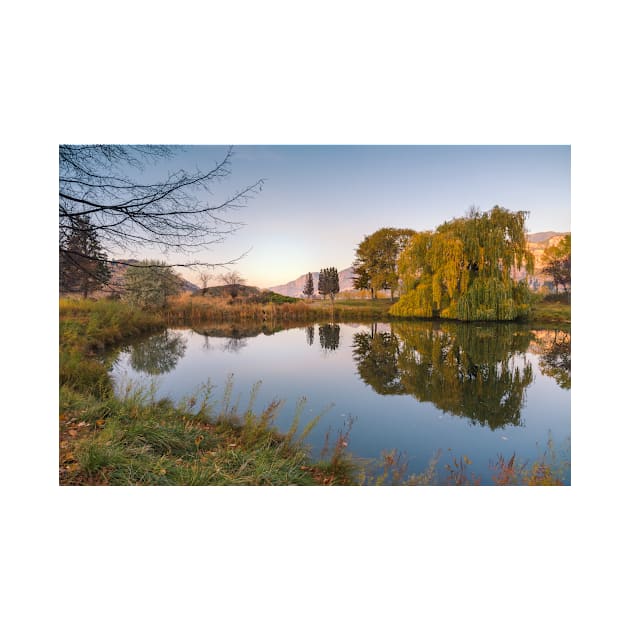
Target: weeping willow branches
{"type": "Point", "coordinates": [463, 270]}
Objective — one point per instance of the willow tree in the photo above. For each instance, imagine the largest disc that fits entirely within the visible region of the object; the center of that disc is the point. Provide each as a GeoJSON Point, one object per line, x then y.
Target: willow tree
{"type": "Point", "coordinates": [463, 270]}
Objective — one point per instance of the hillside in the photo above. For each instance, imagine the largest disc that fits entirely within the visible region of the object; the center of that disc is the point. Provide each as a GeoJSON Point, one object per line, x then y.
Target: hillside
{"type": "Point", "coordinates": [537, 243]}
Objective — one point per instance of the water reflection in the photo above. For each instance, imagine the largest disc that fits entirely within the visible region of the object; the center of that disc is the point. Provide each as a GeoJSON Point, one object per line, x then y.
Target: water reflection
{"type": "Point", "coordinates": [158, 354]}
{"type": "Point", "coordinates": [376, 354]}
{"type": "Point", "coordinates": [477, 372]}
{"type": "Point", "coordinates": [310, 335]}
{"type": "Point", "coordinates": [234, 344]}
{"type": "Point", "coordinates": [329, 336]}
{"type": "Point", "coordinates": [234, 338]}
{"type": "Point", "coordinates": [554, 347]}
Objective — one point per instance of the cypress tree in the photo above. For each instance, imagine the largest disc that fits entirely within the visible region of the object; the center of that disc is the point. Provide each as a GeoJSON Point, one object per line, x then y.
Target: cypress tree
{"type": "Point", "coordinates": [328, 283]}
{"type": "Point", "coordinates": [309, 288]}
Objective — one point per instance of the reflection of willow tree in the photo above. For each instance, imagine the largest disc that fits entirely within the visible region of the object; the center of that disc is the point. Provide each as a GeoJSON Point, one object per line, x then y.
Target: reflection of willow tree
{"type": "Point", "coordinates": [329, 336]}
{"type": "Point", "coordinates": [158, 354]}
{"type": "Point", "coordinates": [465, 370]}
{"type": "Point", "coordinates": [310, 335]}
{"type": "Point", "coordinates": [556, 358]}
{"type": "Point", "coordinates": [376, 354]}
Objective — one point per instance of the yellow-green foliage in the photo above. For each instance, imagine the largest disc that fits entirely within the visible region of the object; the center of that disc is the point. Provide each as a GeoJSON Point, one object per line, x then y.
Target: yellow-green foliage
{"type": "Point", "coordinates": [463, 270]}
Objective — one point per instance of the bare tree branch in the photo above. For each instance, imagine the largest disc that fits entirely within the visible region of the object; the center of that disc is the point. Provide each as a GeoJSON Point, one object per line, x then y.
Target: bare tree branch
{"type": "Point", "coordinates": [95, 182]}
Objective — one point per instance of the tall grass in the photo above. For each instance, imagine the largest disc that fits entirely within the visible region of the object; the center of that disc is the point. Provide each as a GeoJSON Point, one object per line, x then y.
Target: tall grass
{"type": "Point", "coordinates": [192, 310]}
{"type": "Point", "coordinates": [138, 440]}
{"type": "Point", "coordinates": [134, 439]}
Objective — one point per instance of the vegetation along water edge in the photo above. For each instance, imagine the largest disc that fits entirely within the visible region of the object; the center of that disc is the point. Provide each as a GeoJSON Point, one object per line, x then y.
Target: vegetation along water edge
{"type": "Point", "coordinates": [136, 439]}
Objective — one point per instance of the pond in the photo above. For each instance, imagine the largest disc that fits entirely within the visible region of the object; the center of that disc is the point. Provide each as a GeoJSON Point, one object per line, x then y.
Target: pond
{"type": "Point", "coordinates": [462, 390]}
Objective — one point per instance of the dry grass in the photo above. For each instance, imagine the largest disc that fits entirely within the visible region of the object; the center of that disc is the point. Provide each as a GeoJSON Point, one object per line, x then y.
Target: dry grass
{"type": "Point", "coordinates": [190, 310]}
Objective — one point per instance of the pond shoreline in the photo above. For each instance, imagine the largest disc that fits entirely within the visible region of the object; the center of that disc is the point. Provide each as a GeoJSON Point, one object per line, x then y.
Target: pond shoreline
{"type": "Point", "coordinates": [90, 418]}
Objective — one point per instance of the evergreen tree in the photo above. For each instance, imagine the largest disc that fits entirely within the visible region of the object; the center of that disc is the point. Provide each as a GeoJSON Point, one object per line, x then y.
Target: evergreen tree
{"type": "Point", "coordinates": [463, 270]}
{"type": "Point", "coordinates": [309, 288]}
{"type": "Point", "coordinates": [328, 283]}
{"type": "Point", "coordinates": [83, 265]}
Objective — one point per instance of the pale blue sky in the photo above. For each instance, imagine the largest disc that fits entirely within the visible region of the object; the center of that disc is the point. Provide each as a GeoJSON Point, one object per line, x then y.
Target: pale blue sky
{"type": "Point", "coordinates": [318, 202]}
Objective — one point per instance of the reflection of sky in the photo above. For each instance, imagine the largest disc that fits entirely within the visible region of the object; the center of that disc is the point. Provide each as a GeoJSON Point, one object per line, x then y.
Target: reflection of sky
{"type": "Point", "coordinates": [318, 202]}
{"type": "Point", "coordinates": [290, 368]}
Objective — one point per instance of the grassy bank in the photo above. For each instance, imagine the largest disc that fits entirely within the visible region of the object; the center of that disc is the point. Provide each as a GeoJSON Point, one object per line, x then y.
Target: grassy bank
{"type": "Point", "coordinates": [136, 439]}
{"type": "Point", "coordinates": [551, 311]}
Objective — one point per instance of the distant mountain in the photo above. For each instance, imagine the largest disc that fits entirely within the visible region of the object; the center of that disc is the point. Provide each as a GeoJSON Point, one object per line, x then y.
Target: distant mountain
{"type": "Point", "coordinates": [537, 243]}
{"type": "Point", "coordinates": [540, 237]}
{"type": "Point", "coordinates": [295, 287]}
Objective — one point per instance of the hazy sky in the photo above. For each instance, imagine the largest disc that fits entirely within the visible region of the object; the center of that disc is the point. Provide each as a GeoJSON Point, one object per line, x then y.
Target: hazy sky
{"type": "Point", "coordinates": [318, 202]}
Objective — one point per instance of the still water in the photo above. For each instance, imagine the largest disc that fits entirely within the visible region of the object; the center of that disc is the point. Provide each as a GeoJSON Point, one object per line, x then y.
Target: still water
{"type": "Point", "coordinates": [474, 390]}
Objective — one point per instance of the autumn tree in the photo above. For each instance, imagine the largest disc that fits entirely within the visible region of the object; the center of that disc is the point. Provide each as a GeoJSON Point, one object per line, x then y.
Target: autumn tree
{"type": "Point", "coordinates": [376, 262]}
{"type": "Point", "coordinates": [463, 269]}
{"type": "Point", "coordinates": [83, 265]}
{"type": "Point", "coordinates": [557, 263]}
{"type": "Point", "coordinates": [309, 288]}
{"type": "Point", "coordinates": [177, 213]}
{"type": "Point", "coordinates": [328, 283]}
{"type": "Point", "coordinates": [150, 283]}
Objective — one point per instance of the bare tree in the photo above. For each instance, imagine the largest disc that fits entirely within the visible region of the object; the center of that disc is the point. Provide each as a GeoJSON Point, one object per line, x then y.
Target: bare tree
{"type": "Point", "coordinates": [232, 279]}
{"type": "Point", "coordinates": [174, 214]}
{"type": "Point", "coordinates": [204, 281]}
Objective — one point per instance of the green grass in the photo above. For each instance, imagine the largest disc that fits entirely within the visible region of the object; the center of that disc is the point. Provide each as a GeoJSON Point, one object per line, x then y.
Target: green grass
{"type": "Point", "coordinates": [134, 439]}
{"type": "Point", "coordinates": [550, 310]}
